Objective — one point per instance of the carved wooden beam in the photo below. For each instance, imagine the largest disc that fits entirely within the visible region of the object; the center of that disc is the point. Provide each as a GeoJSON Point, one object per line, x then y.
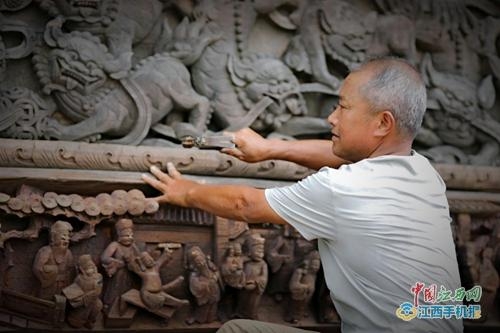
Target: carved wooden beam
{"type": "Point", "coordinates": [79, 155]}
{"type": "Point", "coordinates": [90, 182]}
{"type": "Point", "coordinates": [474, 207]}
{"type": "Point", "coordinates": [85, 156]}
{"type": "Point", "coordinates": [470, 177]}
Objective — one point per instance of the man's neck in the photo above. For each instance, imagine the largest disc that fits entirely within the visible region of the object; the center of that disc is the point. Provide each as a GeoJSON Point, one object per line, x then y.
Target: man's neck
{"type": "Point", "coordinates": [393, 147]}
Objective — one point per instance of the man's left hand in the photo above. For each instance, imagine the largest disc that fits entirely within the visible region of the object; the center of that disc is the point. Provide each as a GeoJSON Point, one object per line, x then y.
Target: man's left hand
{"type": "Point", "coordinates": [172, 185]}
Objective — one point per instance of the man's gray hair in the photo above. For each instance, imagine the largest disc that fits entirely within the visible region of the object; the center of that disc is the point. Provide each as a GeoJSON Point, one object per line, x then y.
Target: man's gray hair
{"type": "Point", "coordinates": [398, 87]}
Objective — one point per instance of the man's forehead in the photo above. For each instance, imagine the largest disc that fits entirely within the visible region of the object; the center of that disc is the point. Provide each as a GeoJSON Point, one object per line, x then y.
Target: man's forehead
{"type": "Point", "coordinates": [352, 83]}
{"type": "Point", "coordinates": [345, 93]}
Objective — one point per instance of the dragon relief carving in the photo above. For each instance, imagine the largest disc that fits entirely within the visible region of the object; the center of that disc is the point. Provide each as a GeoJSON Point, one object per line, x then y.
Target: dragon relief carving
{"type": "Point", "coordinates": [260, 80]}
{"type": "Point", "coordinates": [112, 71]}
{"type": "Point", "coordinates": [458, 125]}
{"type": "Point", "coordinates": [246, 89]}
{"type": "Point", "coordinates": [119, 24]}
{"type": "Point", "coordinates": [452, 32]}
{"type": "Point", "coordinates": [332, 39]}
{"type": "Point", "coordinates": [76, 69]}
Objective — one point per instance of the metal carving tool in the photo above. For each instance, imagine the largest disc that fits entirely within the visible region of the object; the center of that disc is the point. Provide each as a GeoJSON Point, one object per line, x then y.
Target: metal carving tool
{"type": "Point", "coordinates": [208, 142]}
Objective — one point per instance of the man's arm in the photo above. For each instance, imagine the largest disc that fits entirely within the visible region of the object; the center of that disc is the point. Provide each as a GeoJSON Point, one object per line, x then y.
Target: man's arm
{"type": "Point", "coordinates": [241, 203]}
{"type": "Point", "coordinates": [314, 154]}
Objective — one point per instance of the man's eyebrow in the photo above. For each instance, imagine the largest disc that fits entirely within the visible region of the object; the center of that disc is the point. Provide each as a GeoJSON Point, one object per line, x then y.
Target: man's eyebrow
{"type": "Point", "coordinates": [343, 99]}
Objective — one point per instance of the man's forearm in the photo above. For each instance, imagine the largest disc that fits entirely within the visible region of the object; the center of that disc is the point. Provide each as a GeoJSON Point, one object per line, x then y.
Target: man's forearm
{"type": "Point", "coordinates": [313, 154]}
{"type": "Point", "coordinates": [242, 203]}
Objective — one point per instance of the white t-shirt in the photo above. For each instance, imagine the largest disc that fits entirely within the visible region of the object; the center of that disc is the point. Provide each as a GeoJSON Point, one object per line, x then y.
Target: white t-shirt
{"type": "Point", "coordinates": [382, 225]}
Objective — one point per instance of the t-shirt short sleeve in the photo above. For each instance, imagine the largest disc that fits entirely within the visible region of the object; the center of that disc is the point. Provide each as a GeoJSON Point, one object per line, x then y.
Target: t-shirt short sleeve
{"type": "Point", "coordinates": [306, 205]}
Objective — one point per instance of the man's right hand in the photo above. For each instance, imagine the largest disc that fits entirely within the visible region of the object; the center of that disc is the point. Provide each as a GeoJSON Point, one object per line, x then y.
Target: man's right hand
{"type": "Point", "coordinates": [312, 153]}
{"type": "Point", "coordinates": [250, 146]}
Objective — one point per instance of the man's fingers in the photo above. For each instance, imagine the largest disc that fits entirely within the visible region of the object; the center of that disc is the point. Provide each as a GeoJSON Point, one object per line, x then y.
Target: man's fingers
{"type": "Point", "coordinates": [159, 174]}
{"type": "Point", "coordinates": [234, 138]}
{"type": "Point", "coordinates": [233, 152]}
{"type": "Point", "coordinates": [172, 171]}
{"type": "Point", "coordinates": [159, 199]}
{"type": "Point", "coordinates": [153, 182]}
{"type": "Point", "coordinates": [229, 151]}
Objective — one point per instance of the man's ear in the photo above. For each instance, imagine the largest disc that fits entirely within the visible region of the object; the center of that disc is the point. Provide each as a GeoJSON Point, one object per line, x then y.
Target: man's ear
{"type": "Point", "coordinates": [386, 123]}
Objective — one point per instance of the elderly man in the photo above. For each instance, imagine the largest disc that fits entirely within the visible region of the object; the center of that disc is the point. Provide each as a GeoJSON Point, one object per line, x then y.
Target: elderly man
{"type": "Point", "coordinates": [377, 208]}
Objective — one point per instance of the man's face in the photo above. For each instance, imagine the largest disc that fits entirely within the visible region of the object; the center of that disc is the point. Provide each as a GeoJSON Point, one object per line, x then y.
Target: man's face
{"type": "Point", "coordinates": [353, 122]}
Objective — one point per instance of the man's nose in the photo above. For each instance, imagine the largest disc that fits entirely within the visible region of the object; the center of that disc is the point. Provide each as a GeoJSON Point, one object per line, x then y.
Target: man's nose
{"type": "Point", "coordinates": [332, 118]}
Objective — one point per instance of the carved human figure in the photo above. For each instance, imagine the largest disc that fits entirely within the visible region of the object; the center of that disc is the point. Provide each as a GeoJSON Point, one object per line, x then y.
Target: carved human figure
{"type": "Point", "coordinates": [53, 265]}
{"type": "Point", "coordinates": [281, 260]}
{"type": "Point", "coordinates": [302, 286]}
{"type": "Point", "coordinates": [496, 240]}
{"type": "Point", "coordinates": [232, 268]}
{"type": "Point", "coordinates": [233, 276]}
{"type": "Point", "coordinates": [115, 259]}
{"type": "Point", "coordinates": [489, 280]}
{"type": "Point", "coordinates": [152, 291]}
{"type": "Point", "coordinates": [205, 284]}
{"type": "Point", "coordinates": [467, 261]}
{"type": "Point", "coordinates": [256, 275]}
{"type": "Point", "coordinates": [83, 294]}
